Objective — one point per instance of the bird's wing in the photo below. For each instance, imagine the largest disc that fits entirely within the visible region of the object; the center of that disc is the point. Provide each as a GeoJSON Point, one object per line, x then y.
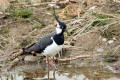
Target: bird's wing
{"type": "Point", "coordinates": [40, 45]}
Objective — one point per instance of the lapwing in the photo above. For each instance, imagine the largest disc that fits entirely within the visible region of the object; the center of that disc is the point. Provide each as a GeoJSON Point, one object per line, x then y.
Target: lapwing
{"type": "Point", "coordinates": [51, 44]}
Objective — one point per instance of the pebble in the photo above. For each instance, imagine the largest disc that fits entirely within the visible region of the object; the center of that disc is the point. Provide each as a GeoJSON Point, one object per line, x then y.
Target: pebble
{"type": "Point", "coordinates": [104, 39]}
{"type": "Point", "coordinates": [92, 8]}
{"type": "Point", "coordinates": [30, 58]}
{"type": "Point", "coordinates": [114, 38]}
{"type": "Point", "coordinates": [1, 12]}
{"type": "Point", "coordinates": [100, 50]}
{"type": "Point", "coordinates": [110, 41]}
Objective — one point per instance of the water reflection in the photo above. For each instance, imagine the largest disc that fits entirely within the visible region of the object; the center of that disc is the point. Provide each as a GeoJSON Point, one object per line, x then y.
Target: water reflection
{"type": "Point", "coordinates": [67, 71]}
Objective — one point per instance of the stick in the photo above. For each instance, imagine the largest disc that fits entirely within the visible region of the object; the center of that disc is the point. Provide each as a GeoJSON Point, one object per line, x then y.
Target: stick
{"type": "Point", "coordinates": [77, 57]}
{"type": "Point", "coordinates": [15, 62]}
{"type": "Point", "coordinates": [15, 54]}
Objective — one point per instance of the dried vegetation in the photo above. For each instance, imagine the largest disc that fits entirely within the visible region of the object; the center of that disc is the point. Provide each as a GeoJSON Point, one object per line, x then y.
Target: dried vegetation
{"type": "Point", "coordinates": [88, 21]}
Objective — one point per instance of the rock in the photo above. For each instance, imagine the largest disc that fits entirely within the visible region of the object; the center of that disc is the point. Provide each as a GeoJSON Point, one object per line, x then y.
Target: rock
{"type": "Point", "coordinates": [92, 8]}
{"type": "Point", "coordinates": [110, 59]}
{"type": "Point", "coordinates": [100, 50]}
{"type": "Point", "coordinates": [30, 58]}
{"type": "Point", "coordinates": [1, 12]}
{"type": "Point", "coordinates": [104, 39]}
{"type": "Point", "coordinates": [114, 38]}
{"type": "Point", "coordinates": [117, 66]}
{"type": "Point", "coordinates": [110, 41]}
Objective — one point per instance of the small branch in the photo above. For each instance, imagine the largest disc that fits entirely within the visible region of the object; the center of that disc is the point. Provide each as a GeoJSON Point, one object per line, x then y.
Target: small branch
{"type": "Point", "coordinates": [15, 62]}
{"type": "Point", "coordinates": [15, 54]}
{"type": "Point", "coordinates": [77, 57]}
{"type": "Point", "coordinates": [113, 15]}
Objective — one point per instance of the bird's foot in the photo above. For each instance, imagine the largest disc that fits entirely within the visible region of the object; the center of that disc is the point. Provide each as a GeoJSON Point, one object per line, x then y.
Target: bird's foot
{"type": "Point", "coordinates": [56, 68]}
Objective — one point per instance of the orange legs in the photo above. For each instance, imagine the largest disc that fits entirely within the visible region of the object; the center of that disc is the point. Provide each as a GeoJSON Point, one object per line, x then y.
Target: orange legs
{"type": "Point", "coordinates": [53, 60]}
{"type": "Point", "coordinates": [48, 66]}
{"type": "Point", "coordinates": [48, 62]}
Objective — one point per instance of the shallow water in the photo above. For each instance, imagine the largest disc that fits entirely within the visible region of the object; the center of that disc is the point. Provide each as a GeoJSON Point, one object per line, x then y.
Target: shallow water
{"type": "Point", "coordinates": [74, 70]}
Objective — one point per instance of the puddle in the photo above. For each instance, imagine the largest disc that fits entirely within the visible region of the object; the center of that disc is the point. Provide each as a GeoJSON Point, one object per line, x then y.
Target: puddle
{"type": "Point", "coordinates": [85, 70]}
{"type": "Point", "coordinates": [74, 70]}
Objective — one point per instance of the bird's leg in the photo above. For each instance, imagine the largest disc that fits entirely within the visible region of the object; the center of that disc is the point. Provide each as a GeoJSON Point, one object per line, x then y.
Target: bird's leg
{"type": "Point", "coordinates": [53, 59]}
{"type": "Point", "coordinates": [54, 75]}
{"type": "Point", "coordinates": [59, 54]}
{"type": "Point", "coordinates": [48, 66]}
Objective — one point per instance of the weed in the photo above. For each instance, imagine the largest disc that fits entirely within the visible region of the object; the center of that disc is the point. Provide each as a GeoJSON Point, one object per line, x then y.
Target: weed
{"type": "Point", "coordinates": [101, 16]}
{"type": "Point", "coordinates": [117, 12]}
{"type": "Point", "coordinates": [37, 26]}
{"type": "Point", "coordinates": [27, 20]}
{"type": "Point", "coordinates": [5, 30]}
{"type": "Point", "coordinates": [113, 31]}
{"type": "Point", "coordinates": [21, 13]}
{"type": "Point", "coordinates": [9, 62]}
{"type": "Point", "coordinates": [10, 8]}
{"type": "Point", "coordinates": [99, 23]}
{"type": "Point", "coordinates": [18, 12]}
{"type": "Point", "coordinates": [3, 43]}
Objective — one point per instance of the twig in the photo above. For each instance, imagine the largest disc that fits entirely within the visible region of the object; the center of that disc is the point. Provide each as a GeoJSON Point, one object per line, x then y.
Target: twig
{"type": "Point", "coordinates": [15, 62]}
{"type": "Point", "coordinates": [113, 15]}
{"type": "Point", "coordinates": [74, 47]}
{"type": "Point", "coordinates": [83, 29]}
{"type": "Point", "coordinates": [107, 26]}
{"type": "Point", "coordinates": [15, 54]}
{"type": "Point", "coordinates": [2, 46]}
{"type": "Point", "coordinates": [77, 57]}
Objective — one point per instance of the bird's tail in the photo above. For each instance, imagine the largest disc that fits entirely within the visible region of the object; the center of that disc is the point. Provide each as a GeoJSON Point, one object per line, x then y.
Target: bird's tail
{"type": "Point", "coordinates": [28, 49]}
{"type": "Point", "coordinates": [23, 50]}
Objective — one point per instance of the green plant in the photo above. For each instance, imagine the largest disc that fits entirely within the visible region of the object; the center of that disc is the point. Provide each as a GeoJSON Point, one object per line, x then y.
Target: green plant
{"type": "Point", "coordinates": [117, 12]}
{"type": "Point", "coordinates": [101, 16]}
{"type": "Point", "coordinates": [10, 8]}
{"type": "Point", "coordinates": [37, 26]}
{"type": "Point", "coordinates": [113, 31]}
{"type": "Point", "coordinates": [22, 13]}
{"type": "Point", "coordinates": [9, 62]}
{"type": "Point", "coordinates": [5, 30]}
{"type": "Point", "coordinates": [27, 20]}
{"type": "Point", "coordinates": [99, 23]}
{"type": "Point", "coordinates": [2, 43]}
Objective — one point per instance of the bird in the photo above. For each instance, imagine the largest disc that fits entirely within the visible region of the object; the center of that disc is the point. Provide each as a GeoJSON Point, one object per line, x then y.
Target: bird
{"type": "Point", "coordinates": [50, 44]}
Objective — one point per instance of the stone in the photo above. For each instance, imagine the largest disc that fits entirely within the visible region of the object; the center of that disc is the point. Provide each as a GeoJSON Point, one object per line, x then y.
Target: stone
{"type": "Point", "coordinates": [100, 50]}
{"type": "Point", "coordinates": [30, 58]}
{"type": "Point", "coordinates": [104, 39]}
{"type": "Point", "coordinates": [110, 41]}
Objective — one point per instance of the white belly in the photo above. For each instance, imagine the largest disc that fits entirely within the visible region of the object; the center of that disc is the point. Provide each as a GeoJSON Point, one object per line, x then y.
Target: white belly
{"type": "Point", "coordinates": [52, 49]}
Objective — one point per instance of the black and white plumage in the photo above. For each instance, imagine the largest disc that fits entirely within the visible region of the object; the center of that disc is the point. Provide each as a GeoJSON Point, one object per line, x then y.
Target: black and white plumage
{"type": "Point", "coordinates": [51, 44]}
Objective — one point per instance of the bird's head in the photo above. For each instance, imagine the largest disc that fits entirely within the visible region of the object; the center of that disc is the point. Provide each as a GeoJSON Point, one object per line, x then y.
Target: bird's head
{"type": "Point", "coordinates": [61, 27]}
